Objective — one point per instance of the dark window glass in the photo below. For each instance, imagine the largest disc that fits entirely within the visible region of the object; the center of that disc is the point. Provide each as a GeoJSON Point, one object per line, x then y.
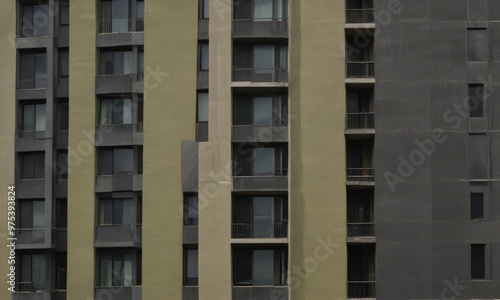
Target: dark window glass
{"type": "Point", "coordinates": [117, 161]}
{"type": "Point", "coordinates": [63, 115]}
{"type": "Point", "coordinates": [33, 70]}
{"type": "Point", "coordinates": [116, 62]}
{"type": "Point", "coordinates": [119, 268]}
{"type": "Point", "coordinates": [476, 100]}
{"type": "Point", "coordinates": [261, 110]}
{"type": "Point", "coordinates": [476, 206]}
{"type": "Point", "coordinates": [202, 107]}
{"type": "Point", "coordinates": [32, 215]}
{"type": "Point", "coordinates": [64, 63]}
{"type": "Point", "coordinates": [62, 213]}
{"type": "Point", "coordinates": [116, 111]}
{"type": "Point", "coordinates": [62, 165]}
{"type": "Point", "coordinates": [191, 209]}
{"type": "Point", "coordinates": [203, 57]}
{"type": "Point", "coordinates": [477, 45]}
{"type": "Point", "coordinates": [33, 269]}
{"type": "Point", "coordinates": [116, 211]}
{"type": "Point", "coordinates": [114, 16]}
{"type": "Point", "coordinates": [34, 20]}
{"type": "Point", "coordinates": [478, 261]}
{"type": "Point", "coordinates": [64, 13]}
{"type": "Point", "coordinates": [191, 267]}
{"type": "Point", "coordinates": [33, 120]}
{"type": "Point", "coordinates": [478, 156]}
{"type": "Point", "coordinates": [61, 270]}
{"type": "Point", "coordinates": [32, 165]}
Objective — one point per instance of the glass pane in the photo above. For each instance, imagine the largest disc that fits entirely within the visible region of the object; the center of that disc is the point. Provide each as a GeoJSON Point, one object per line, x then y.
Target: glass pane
{"type": "Point", "coordinates": [40, 70]}
{"type": "Point", "coordinates": [140, 9]}
{"type": "Point", "coordinates": [26, 69]}
{"type": "Point", "coordinates": [106, 111]}
{"type": "Point", "coordinates": [263, 212]}
{"type": "Point", "coordinates": [27, 21]}
{"type": "Point", "coordinates": [117, 114]}
{"type": "Point", "coordinates": [206, 9]}
{"type": "Point", "coordinates": [192, 264]}
{"type": "Point", "coordinates": [63, 115]}
{"type": "Point", "coordinates": [204, 57]}
{"type": "Point", "coordinates": [62, 165]}
{"type": "Point", "coordinates": [105, 270]}
{"type": "Point", "coordinates": [263, 111]}
{"type": "Point", "coordinates": [192, 213]}
{"type": "Point", "coordinates": [128, 59]}
{"type": "Point", "coordinates": [263, 267]}
{"type": "Point", "coordinates": [106, 162]}
{"type": "Point", "coordinates": [26, 214]}
{"type": "Point", "coordinates": [263, 10]}
{"type": "Point", "coordinates": [127, 270]}
{"type": "Point", "coordinates": [64, 63]}
{"type": "Point", "coordinates": [284, 57]}
{"type": "Point", "coordinates": [126, 211]}
{"type": "Point", "coordinates": [40, 117]}
{"type": "Point", "coordinates": [38, 271]}
{"type": "Point", "coordinates": [38, 214]}
{"type": "Point", "coordinates": [264, 58]}
{"type": "Point", "coordinates": [107, 65]}
{"type": "Point", "coordinates": [477, 45]}
{"type": "Point", "coordinates": [478, 262]}
{"type": "Point", "coordinates": [202, 107]}
{"type": "Point", "coordinates": [127, 111]}
{"type": "Point", "coordinates": [25, 268]}
{"type": "Point", "coordinates": [105, 211]}
{"type": "Point", "coordinates": [263, 162]}
{"type": "Point", "coordinates": [478, 156]}
{"type": "Point", "coordinates": [118, 60]}
{"type": "Point", "coordinates": [28, 117]}
{"type": "Point", "coordinates": [123, 161]}
{"type": "Point", "coordinates": [38, 165]}
{"type": "Point", "coordinates": [64, 14]}
{"type": "Point", "coordinates": [140, 63]}
{"type": "Point", "coordinates": [118, 272]}
{"type": "Point", "coordinates": [476, 103]}
{"type": "Point", "coordinates": [41, 19]}
{"type": "Point", "coordinates": [27, 166]}
{"type": "Point", "coordinates": [120, 15]}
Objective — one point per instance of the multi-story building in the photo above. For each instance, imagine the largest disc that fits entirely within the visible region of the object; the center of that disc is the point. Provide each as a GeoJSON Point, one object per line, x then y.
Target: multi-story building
{"type": "Point", "coordinates": [250, 149]}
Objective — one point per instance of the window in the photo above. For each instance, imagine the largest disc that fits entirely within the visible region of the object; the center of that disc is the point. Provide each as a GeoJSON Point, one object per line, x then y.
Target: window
{"type": "Point", "coordinates": [32, 214]}
{"type": "Point", "coordinates": [114, 16]}
{"type": "Point", "coordinates": [35, 20]}
{"type": "Point", "coordinates": [190, 267]}
{"type": "Point", "coordinates": [140, 110]}
{"type": "Point", "coordinates": [64, 63]}
{"type": "Point", "coordinates": [61, 270]}
{"type": "Point", "coordinates": [264, 58]}
{"type": "Point", "coordinates": [261, 161]}
{"type": "Point", "coordinates": [116, 211]}
{"type": "Point", "coordinates": [140, 15]}
{"type": "Point", "coordinates": [116, 62]}
{"type": "Point", "coordinates": [191, 209]}
{"type": "Point", "coordinates": [261, 10]}
{"type": "Point", "coordinates": [260, 267]}
{"type": "Point", "coordinates": [33, 120]}
{"type": "Point", "coordinates": [478, 261]}
{"type": "Point", "coordinates": [140, 65]}
{"type": "Point", "coordinates": [202, 107]}
{"type": "Point", "coordinates": [33, 69]}
{"type": "Point", "coordinates": [478, 10]}
{"type": "Point", "coordinates": [479, 196]}
{"type": "Point", "coordinates": [203, 57]}
{"type": "Point", "coordinates": [62, 114]}
{"type": "Point", "coordinates": [260, 217]}
{"type": "Point", "coordinates": [204, 9]}
{"type": "Point", "coordinates": [478, 156]}
{"type": "Point", "coordinates": [62, 165]}
{"type": "Point", "coordinates": [116, 111]}
{"type": "Point", "coordinates": [32, 269]}
{"type": "Point", "coordinates": [477, 45]}
{"type": "Point", "coordinates": [32, 165]}
{"type": "Point", "coordinates": [476, 100]}
{"type": "Point", "coordinates": [64, 13]}
{"type": "Point", "coordinates": [62, 213]}
{"type": "Point", "coordinates": [116, 161]}
{"type": "Point", "coordinates": [261, 110]}
{"type": "Point", "coordinates": [119, 268]}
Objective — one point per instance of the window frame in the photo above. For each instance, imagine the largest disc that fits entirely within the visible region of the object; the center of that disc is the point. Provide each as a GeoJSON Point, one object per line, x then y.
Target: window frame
{"type": "Point", "coordinates": [40, 155]}
{"type": "Point", "coordinates": [187, 221]}
{"type": "Point", "coordinates": [37, 104]}
{"type": "Point", "coordinates": [40, 83]}
{"type": "Point", "coordinates": [190, 281]}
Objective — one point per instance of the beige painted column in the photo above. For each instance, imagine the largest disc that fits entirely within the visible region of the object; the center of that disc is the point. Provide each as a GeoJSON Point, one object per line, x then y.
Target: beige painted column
{"type": "Point", "coordinates": [318, 259]}
{"type": "Point", "coordinates": [81, 156]}
{"type": "Point", "coordinates": [170, 53]}
{"type": "Point", "coordinates": [7, 128]}
{"type": "Point", "coordinates": [215, 174]}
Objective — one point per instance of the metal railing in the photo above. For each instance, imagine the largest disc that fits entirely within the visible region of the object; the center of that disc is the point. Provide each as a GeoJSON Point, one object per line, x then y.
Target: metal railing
{"type": "Point", "coordinates": [248, 231]}
{"type": "Point", "coordinates": [110, 233]}
{"type": "Point", "coordinates": [25, 32]}
{"type": "Point", "coordinates": [360, 120]}
{"type": "Point", "coordinates": [30, 286]}
{"type": "Point", "coordinates": [121, 25]}
{"type": "Point", "coordinates": [38, 83]}
{"type": "Point", "coordinates": [250, 27]}
{"type": "Point", "coordinates": [260, 75]}
{"type": "Point", "coordinates": [359, 15]}
{"type": "Point", "coordinates": [31, 235]}
{"type": "Point", "coordinates": [360, 174]}
{"type": "Point", "coordinates": [360, 229]}
{"type": "Point", "coordinates": [360, 69]}
{"type": "Point", "coordinates": [361, 289]}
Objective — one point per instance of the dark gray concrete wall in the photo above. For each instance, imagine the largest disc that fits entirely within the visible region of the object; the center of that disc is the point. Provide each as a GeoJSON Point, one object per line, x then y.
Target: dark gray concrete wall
{"type": "Point", "coordinates": [422, 211]}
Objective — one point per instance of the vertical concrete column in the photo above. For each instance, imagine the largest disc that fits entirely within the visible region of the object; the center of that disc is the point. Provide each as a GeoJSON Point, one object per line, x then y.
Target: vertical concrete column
{"type": "Point", "coordinates": [170, 35]}
{"type": "Point", "coordinates": [318, 258]}
{"type": "Point", "coordinates": [81, 154]}
{"type": "Point", "coordinates": [7, 126]}
{"type": "Point", "coordinates": [215, 175]}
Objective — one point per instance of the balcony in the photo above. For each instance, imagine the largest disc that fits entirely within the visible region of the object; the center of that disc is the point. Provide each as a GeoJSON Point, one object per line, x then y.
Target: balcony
{"type": "Point", "coordinates": [32, 236]}
{"type": "Point", "coordinates": [360, 69]}
{"type": "Point", "coordinates": [260, 292]}
{"type": "Point", "coordinates": [360, 174]}
{"type": "Point", "coordinates": [253, 75]}
{"type": "Point", "coordinates": [119, 293]}
{"type": "Point", "coordinates": [360, 120]}
{"type": "Point", "coordinates": [361, 289]}
{"type": "Point", "coordinates": [121, 25]}
{"type": "Point", "coordinates": [357, 16]}
{"type": "Point", "coordinates": [269, 28]}
{"type": "Point", "coordinates": [250, 231]}
{"type": "Point", "coordinates": [115, 235]}
{"type": "Point", "coordinates": [361, 232]}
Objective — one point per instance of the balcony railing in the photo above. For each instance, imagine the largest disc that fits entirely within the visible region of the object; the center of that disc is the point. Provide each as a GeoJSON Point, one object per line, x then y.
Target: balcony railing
{"type": "Point", "coordinates": [25, 32]}
{"type": "Point", "coordinates": [118, 233]}
{"type": "Point", "coordinates": [360, 121]}
{"type": "Point", "coordinates": [30, 286]}
{"type": "Point", "coordinates": [359, 174]}
{"type": "Point", "coordinates": [121, 25]}
{"type": "Point", "coordinates": [360, 69]}
{"type": "Point", "coordinates": [360, 229]}
{"type": "Point", "coordinates": [275, 27]}
{"type": "Point", "coordinates": [260, 75]}
{"type": "Point", "coordinates": [361, 289]}
{"type": "Point", "coordinates": [359, 16]}
{"type": "Point", "coordinates": [31, 235]}
{"type": "Point", "coordinates": [248, 231]}
{"type": "Point", "coordinates": [38, 83]}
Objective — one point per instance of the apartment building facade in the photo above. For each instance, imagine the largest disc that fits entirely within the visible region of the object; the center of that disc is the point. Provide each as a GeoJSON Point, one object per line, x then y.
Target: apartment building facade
{"type": "Point", "coordinates": [251, 149]}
